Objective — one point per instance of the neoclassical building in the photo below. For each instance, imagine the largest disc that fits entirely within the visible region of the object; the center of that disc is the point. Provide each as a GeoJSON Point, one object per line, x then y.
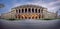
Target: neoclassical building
{"type": "Point", "coordinates": [29, 12]}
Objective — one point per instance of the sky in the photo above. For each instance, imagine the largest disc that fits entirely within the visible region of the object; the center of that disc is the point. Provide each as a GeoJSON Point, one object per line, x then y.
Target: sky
{"type": "Point", "coordinates": [51, 5]}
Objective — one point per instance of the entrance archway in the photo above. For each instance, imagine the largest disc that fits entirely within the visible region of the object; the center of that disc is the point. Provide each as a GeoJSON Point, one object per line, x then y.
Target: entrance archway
{"type": "Point", "coordinates": [29, 16]}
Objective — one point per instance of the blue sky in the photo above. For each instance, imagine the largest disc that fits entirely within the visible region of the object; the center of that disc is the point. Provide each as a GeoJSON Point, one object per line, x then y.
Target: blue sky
{"type": "Point", "coordinates": [52, 5]}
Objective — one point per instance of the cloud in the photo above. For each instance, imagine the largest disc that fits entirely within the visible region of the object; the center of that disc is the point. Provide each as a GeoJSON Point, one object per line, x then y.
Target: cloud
{"type": "Point", "coordinates": [16, 4]}
{"type": "Point", "coordinates": [52, 6]}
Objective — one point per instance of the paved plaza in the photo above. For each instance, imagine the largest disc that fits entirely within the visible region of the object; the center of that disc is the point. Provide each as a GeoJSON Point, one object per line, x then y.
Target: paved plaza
{"type": "Point", "coordinates": [30, 24]}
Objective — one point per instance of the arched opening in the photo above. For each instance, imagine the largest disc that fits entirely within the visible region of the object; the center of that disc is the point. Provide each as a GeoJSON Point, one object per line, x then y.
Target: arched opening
{"type": "Point", "coordinates": [39, 10]}
{"type": "Point", "coordinates": [25, 10]}
{"type": "Point", "coordinates": [32, 10]}
{"type": "Point", "coordinates": [32, 17]}
{"type": "Point", "coordinates": [29, 10]}
{"type": "Point", "coordinates": [22, 10]}
{"type": "Point", "coordinates": [25, 17]}
{"type": "Point", "coordinates": [29, 17]}
{"type": "Point", "coordinates": [36, 17]}
{"type": "Point", "coordinates": [22, 17]}
{"type": "Point", "coordinates": [35, 10]}
{"type": "Point", "coordinates": [19, 10]}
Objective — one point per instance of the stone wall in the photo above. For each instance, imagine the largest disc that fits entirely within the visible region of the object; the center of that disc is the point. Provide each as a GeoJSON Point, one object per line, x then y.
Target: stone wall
{"type": "Point", "coordinates": [43, 12]}
{"type": "Point", "coordinates": [51, 15]}
{"type": "Point", "coordinates": [8, 15]}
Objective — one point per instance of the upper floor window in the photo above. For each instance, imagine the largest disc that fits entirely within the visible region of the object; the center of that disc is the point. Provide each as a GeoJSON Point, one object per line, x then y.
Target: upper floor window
{"type": "Point", "coordinates": [39, 10]}
{"type": "Point", "coordinates": [35, 10]}
{"type": "Point", "coordinates": [19, 10]}
{"type": "Point", "coordinates": [29, 10]}
{"type": "Point", "coordinates": [22, 10]}
{"type": "Point", "coordinates": [32, 10]}
{"type": "Point", "coordinates": [25, 10]}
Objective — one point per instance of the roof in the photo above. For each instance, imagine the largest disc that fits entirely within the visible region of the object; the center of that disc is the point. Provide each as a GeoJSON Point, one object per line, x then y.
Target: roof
{"type": "Point", "coordinates": [37, 6]}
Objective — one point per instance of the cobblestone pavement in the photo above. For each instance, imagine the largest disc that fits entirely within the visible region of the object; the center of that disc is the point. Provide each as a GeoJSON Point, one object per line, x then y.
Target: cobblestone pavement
{"type": "Point", "coordinates": [30, 24]}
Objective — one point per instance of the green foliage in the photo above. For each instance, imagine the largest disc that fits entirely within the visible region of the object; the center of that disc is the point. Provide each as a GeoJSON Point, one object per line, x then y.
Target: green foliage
{"type": "Point", "coordinates": [47, 19]}
{"type": "Point", "coordinates": [11, 19]}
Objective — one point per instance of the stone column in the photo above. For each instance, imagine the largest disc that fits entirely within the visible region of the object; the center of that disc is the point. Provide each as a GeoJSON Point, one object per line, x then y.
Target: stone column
{"type": "Point", "coordinates": [34, 10]}
{"type": "Point", "coordinates": [41, 12]}
{"type": "Point", "coordinates": [20, 16]}
{"type": "Point", "coordinates": [31, 10]}
{"type": "Point", "coordinates": [34, 17]}
{"type": "Point", "coordinates": [31, 17]}
{"type": "Point", "coordinates": [24, 10]}
{"type": "Point", "coordinates": [27, 10]}
{"type": "Point", "coordinates": [21, 10]}
{"type": "Point", "coordinates": [37, 16]}
{"type": "Point", "coordinates": [17, 13]}
{"type": "Point", "coordinates": [37, 10]}
{"type": "Point", "coordinates": [24, 17]}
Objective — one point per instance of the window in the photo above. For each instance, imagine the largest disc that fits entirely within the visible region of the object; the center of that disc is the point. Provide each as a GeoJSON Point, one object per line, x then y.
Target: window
{"type": "Point", "coordinates": [29, 10]}
{"type": "Point", "coordinates": [22, 10]}
{"type": "Point", "coordinates": [39, 10]}
{"type": "Point", "coordinates": [32, 10]}
{"type": "Point", "coordinates": [36, 10]}
{"type": "Point", "coordinates": [19, 10]}
{"type": "Point", "coordinates": [16, 11]}
{"type": "Point", "coordinates": [25, 10]}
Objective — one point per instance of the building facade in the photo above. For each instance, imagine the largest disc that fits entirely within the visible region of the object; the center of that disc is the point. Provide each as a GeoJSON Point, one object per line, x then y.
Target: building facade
{"type": "Point", "coordinates": [29, 12]}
